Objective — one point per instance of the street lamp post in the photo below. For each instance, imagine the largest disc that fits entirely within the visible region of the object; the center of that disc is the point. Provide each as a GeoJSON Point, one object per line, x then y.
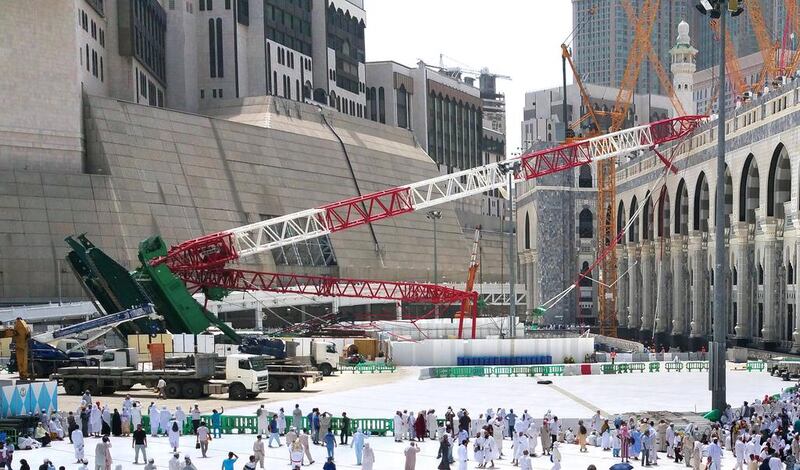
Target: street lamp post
{"type": "Point", "coordinates": [511, 168]}
{"type": "Point", "coordinates": [717, 348]}
{"type": "Point", "coordinates": [435, 215]}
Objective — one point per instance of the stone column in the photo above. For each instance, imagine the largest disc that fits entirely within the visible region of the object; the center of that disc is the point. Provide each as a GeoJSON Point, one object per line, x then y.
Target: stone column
{"type": "Point", "coordinates": [679, 291]}
{"type": "Point", "coordinates": [766, 243]}
{"type": "Point", "coordinates": [740, 246]}
{"type": "Point", "coordinates": [622, 289]}
{"type": "Point", "coordinates": [646, 332]}
{"type": "Point", "coordinates": [662, 310]}
{"type": "Point", "coordinates": [634, 299]}
{"type": "Point", "coordinates": [697, 258]}
{"type": "Point", "coordinates": [796, 334]}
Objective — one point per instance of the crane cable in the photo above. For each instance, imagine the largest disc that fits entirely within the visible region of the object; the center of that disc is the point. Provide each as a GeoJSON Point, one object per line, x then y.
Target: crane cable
{"type": "Point", "coordinates": [658, 182]}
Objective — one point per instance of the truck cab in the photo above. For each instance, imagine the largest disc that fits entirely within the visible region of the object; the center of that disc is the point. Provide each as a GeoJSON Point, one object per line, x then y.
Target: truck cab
{"type": "Point", "coordinates": [120, 357]}
{"type": "Point", "coordinates": [324, 356]}
{"type": "Point", "coordinates": [246, 375]}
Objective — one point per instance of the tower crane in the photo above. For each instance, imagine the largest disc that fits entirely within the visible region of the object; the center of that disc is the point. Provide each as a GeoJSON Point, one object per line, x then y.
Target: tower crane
{"type": "Point", "coordinates": [768, 47]}
{"type": "Point", "coordinates": [653, 59]}
{"type": "Point", "coordinates": [208, 262]}
{"type": "Point", "coordinates": [737, 81]}
{"type": "Point", "coordinates": [794, 60]}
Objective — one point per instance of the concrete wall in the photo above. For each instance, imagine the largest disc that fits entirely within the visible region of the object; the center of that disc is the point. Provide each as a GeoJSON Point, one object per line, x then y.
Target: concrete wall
{"type": "Point", "coordinates": [155, 171]}
{"type": "Point", "coordinates": [40, 126]}
{"type": "Point", "coordinates": [444, 352]}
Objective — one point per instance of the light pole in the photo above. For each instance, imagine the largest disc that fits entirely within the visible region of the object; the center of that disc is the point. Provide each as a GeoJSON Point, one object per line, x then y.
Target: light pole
{"type": "Point", "coordinates": [717, 367]}
{"type": "Point", "coordinates": [434, 216]}
{"type": "Point", "coordinates": [511, 168]}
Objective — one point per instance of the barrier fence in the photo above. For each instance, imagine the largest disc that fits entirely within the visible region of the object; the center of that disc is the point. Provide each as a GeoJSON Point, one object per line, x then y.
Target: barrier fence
{"type": "Point", "coordinates": [571, 369]}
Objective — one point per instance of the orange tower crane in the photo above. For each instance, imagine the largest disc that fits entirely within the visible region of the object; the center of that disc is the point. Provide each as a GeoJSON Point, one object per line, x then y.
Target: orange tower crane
{"type": "Point", "coordinates": [794, 61]}
{"type": "Point", "coordinates": [769, 48]}
{"type": "Point", "coordinates": [607, 177]}
{"type": "Point", "coordinates": [737, 81]}
{"type": "Point", "coordinates": [652, 57]}
{"type": "Point", "coordinates": [468, 304]}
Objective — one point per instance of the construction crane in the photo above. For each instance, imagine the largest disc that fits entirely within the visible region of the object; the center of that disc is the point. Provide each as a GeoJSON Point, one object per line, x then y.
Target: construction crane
{"type": "Point", "coordinates": [737, 81]}
{"type": "Point", "coordinates": [794, 61]}
{"type": "Point", "coordinates": [468, 307]}
{"type": "Point", "coordinates": [768, 47]}
{"type": "Point", "coordinates": [607, 176]}
{"type": "Point", "coordinates": [653, 59]}
{"type": "Point", "coordinates": [590, 111]}
{"type": "Point", "coordinates": [204, 262]}
{"type": "Point", "coordinates": [455, 72]}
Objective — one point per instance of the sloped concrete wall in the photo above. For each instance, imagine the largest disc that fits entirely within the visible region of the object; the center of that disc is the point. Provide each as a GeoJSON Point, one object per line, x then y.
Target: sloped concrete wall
{"type": "Point", "coordinates": [156, 171]}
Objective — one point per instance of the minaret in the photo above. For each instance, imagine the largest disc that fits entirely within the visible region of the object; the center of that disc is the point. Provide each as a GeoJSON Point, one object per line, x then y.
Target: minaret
{"type": "Point", "coordinates": [683, 68]}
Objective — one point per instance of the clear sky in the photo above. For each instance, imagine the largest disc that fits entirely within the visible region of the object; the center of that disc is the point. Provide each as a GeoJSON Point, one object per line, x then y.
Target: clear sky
{"type": "Point", "coordinates": [520, 38]}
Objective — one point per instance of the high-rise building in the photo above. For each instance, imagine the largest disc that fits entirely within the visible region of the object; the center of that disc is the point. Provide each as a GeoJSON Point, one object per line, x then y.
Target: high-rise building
{"type": "Point", "coordinates": [740, 29]}
{"type": "Point", "coordinates": [338, 51]}
{"type": "Point", "coordinates": [604, 36]}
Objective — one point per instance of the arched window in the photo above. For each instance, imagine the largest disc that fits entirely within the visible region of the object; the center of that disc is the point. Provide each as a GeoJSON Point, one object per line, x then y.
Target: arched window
{"type": "Point", "coordinates": [402, 107]}
{"type": "Point", "coordinates": [381, 105]}
{"type": "Point", "coordinates": [735, 277]}
{"type": "Point", "coordinates": [760, 275]}
{"type": "Point", "coordinates": [527, 232]}
{"type": "Point", "coordinates": [790, 274]}
{"type": "Point", "coordinates": [585, 222]}
{"type": "Point", "coordinates": [585, 177]}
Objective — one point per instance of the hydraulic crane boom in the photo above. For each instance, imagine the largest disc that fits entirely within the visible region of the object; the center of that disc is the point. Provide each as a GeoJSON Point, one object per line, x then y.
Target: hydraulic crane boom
{"type": "Point", "coordinates": [101, 324]}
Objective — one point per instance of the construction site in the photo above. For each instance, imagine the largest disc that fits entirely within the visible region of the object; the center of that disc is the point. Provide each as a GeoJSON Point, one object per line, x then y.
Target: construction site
{"type": "Point", "coordinates": [327, 240]}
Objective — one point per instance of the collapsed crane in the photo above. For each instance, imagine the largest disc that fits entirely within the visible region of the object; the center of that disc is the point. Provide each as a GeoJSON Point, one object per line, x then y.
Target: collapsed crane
{"type": "Point", "coordinates": [205, 263]}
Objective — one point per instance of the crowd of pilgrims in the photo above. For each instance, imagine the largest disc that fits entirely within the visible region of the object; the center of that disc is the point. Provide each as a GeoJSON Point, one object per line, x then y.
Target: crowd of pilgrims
{"type": "Point", "coordinates": [762, 435]}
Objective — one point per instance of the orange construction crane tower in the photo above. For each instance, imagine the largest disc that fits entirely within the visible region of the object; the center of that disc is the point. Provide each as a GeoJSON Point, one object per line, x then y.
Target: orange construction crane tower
{"type": "Point", "coordinates": [737, 81]}
{"type": "Point", "coordinates": [769, 48]}
{"type": "Point", "coordinates": [468, 306]}
{"type": "Point", "coordinates": [606, 173]}
{"type": "Point", "coordinates": [652, 57]}
{"type": "Point", "coordinates": [794, 61]}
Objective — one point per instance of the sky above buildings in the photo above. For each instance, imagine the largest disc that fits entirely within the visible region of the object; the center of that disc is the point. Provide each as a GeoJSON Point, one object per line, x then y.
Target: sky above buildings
{"type": "Point", "coordinates": [520, 38]}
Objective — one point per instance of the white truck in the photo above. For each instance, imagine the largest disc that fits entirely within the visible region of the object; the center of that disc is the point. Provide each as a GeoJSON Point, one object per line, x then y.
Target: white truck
{"type": "Point", "coordinates": [244, 376]}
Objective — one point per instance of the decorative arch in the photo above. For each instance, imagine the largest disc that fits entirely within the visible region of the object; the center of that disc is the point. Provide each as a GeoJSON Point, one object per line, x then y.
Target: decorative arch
{"type": "Point", "coordinates": [621, 221]}
{"type": "Point", "coordinates": [633, 231]}
{"type": "Point", "coordinates": [728, 192]}
{"type": "Point", "coordinates": [585, 281]}
{"type": "Point", "coordinates": [779, 183]}
{"type": "Point", "coordinates": [682, 209]}
{"type": "Point", "coordinates": [701, 203]}
{"type": "Point", "coordinates": [663, 213]}
{"type": "Point", "coordinates": [647, 217]}
{"type": "Point", "coordinates": [749, 197]}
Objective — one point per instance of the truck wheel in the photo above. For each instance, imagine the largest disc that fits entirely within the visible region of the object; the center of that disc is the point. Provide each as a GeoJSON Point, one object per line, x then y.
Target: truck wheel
{"type": "Point", "coordinates": [251, 395]}
{"type": "Point", "coordinates": [291, 385]}
{"type": "Point", "coordinates": [173, 390]}
{"type": "Point", "coordinates": [192, 390]}
{"type": "Point", "coordinates": [93, 388]}
{"type": "Point", "coordinates": [303, 383]}
{"type": "Point", "coordinates": [72, 387]}
{"type": "Point", "coordinates": [326, 369]}
{"type": "Point", "coordinates": [274, 385]}
{"type": "Point", "coordinates": [237, 391]}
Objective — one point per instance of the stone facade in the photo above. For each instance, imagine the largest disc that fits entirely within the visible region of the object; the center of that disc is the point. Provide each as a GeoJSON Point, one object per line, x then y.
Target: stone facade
{"type": "Point", "coordinates": [669, 248]}
{"type": "Point", "coordinates": [155, 171]}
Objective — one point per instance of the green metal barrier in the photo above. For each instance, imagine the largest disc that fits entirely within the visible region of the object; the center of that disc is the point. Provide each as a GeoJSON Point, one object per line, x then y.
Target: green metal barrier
{"type": "Point", "coordinates": [655, 367]}
{"type": "Point", "coordinates": [608, 369]}
{"type": "Point", "coordinates": [755, 366]}
{"type": "Point", "coordinates": [696, 365]}
{"type": "Point", "coordinates": [637, 366]}
{"type": "Point", "coordinates": [623, 368]}
{"type": "Point", "coordinates": [676, 366]}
